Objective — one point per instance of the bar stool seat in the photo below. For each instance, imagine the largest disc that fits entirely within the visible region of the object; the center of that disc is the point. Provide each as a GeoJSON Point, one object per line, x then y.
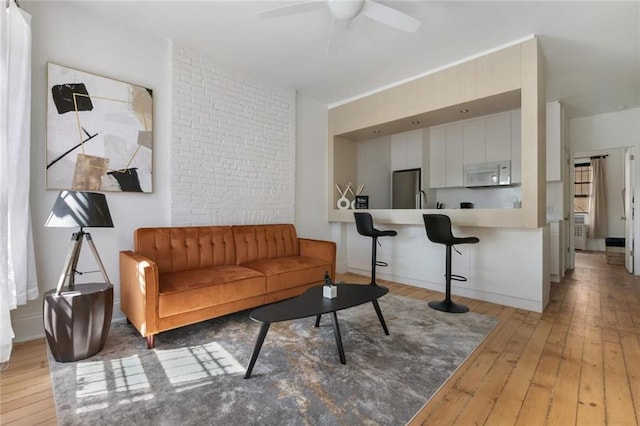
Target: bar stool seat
{"type": "Point", "coordinates": [438, 227]}
{"type": "Point", "coordinates": [364, 225]}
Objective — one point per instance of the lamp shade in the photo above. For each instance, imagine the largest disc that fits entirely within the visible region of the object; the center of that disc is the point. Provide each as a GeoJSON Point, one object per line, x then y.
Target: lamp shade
{"type": "Point", "coordinates": [77, 208]}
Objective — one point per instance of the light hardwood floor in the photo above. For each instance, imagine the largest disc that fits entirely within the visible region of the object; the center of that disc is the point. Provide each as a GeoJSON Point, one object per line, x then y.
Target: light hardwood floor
{"type": "Point", "coordinates": [577, 363]}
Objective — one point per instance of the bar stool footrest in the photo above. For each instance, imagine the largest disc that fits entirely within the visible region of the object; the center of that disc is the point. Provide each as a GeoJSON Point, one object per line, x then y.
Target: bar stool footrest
{"type": "Point", "coordinates": [381, 263]}
{"type": "Point", "coordinates": [458, 277]}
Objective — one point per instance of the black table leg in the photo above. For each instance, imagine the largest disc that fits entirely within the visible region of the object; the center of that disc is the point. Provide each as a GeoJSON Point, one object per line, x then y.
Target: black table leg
{"type": "Point", "coordinates": [380, 317]}
{"type": "Point", "coordinates": [318, 320]}
{"type": "Point", "coordinates": [256, 349]}
{"type": "Point", "coordinates": [336, 331]}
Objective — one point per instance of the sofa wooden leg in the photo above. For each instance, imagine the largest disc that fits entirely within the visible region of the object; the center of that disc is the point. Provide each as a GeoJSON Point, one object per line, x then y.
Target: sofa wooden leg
{"type": "Point", "coordinates": [151, 341]}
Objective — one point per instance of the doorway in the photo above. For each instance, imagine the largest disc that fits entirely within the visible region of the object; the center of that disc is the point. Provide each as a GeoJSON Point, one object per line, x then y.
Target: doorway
{"type": "Point", "coordinates": [619, 202]}
{"type": "Point", "coordinates": [628, 197]}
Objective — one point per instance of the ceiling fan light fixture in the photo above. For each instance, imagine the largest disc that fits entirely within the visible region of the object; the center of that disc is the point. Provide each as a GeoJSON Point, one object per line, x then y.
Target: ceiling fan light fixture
{"type": "Point", "coordinates": [345, 10]}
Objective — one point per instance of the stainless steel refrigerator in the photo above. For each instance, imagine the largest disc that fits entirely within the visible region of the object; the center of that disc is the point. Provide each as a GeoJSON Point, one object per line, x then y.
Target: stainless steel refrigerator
{"type": "Point", "coordinates": [406, 192]}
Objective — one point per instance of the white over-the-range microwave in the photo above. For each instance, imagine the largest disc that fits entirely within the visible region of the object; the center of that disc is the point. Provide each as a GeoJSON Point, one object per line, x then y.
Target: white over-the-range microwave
{"type": "Point", "coordinates": [487, 174]}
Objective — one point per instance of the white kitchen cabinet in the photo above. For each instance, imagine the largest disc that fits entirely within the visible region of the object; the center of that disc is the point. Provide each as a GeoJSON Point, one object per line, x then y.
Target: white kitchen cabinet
{"type": "Point", "coordinates": [474, 141]}
{"type": "Point", "coordinates": [487, 139]}
{"type": "Point", "coordinates": [454, 156]}
{"type": "Point", "coordinates": [414, 149]}
{"type": "Point", "coordinates": [398, 149]}
{"type": "Point", "coordinates": [516, 147]}
{"type": "Point", "coordinates": [406, 150]}
{"type": "Point", "coordinates": [498, 137]}
{"type": "Point", "coordinates": [446, 153]}
{"type": "Point", "coordinates": [437, 156]}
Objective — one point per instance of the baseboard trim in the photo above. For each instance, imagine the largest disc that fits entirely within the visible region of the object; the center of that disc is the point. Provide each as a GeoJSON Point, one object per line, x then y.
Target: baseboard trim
{"type": "Point", "coordinates": [29, 327]}
{"type": "Point", "coordinates": [341, 268]}
{"type": "Point", "coordinates": [500, 299]}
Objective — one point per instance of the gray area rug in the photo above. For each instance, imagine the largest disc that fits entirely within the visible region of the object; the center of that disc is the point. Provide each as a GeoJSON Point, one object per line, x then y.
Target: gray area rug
{"type": "Point", "coordinates": [194, 376]}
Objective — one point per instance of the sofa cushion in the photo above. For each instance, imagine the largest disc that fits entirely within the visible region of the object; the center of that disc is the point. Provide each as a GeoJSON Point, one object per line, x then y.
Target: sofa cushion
{"type": "Point", "coordinates": [200, 288]}
{"type": "Point", "coordinates": [255, 242]}
{"type": "Point", "coordinates": [186, 248]}
{"type": "Point", "coordinates": [287, 272]}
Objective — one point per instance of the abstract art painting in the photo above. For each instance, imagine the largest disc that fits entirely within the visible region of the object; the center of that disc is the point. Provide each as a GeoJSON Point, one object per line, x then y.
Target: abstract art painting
{"type": "Point", "coordinates": [99, 133]}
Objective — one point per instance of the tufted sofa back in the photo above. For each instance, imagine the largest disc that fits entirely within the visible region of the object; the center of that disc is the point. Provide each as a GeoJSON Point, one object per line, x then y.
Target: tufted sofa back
{"type": "Point", "coordinates": [178, 249]}
{"type": "Point", "coordinates": [255, 242]}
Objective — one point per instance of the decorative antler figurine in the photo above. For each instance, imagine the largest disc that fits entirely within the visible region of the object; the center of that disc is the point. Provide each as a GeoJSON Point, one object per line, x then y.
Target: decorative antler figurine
{"type": "Point", "coordinates": [358, 192]}
{"type": "Point", "coordinates": [343, 202]}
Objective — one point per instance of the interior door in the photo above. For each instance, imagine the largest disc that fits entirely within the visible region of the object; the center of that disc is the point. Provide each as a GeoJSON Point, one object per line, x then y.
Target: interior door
{"type": "Point", "coordinates": [628, 208]}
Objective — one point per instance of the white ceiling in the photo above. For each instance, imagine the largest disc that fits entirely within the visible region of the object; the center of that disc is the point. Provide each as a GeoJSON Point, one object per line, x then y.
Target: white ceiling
{"type": "Point", "coordinates": [591, 49]}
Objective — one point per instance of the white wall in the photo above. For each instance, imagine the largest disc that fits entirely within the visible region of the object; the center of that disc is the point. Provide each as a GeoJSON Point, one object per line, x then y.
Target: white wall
{"type": "Point", "coordinates": [233, 145]}
{"type": "Point", "coordinates": [65, 35]}
{"type": "Point", "coordinates": [312, 158]}
{"type": "Point", "coordinates": [612, 130]}
{"type": "Point", "coordinates": [311, 172]}
{"type": "Point", "coordinates": [373, 167]}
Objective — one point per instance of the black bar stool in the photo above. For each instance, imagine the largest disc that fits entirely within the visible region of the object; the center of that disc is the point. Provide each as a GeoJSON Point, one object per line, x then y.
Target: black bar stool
{"type": "Point", "coordinates": [364, 224]}
{"type": "Point", "coordinates": [438, 228]}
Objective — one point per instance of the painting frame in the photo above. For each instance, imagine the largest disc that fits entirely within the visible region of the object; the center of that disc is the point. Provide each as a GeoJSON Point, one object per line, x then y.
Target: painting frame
{"type": "Point", "coordinates": [99, 133]}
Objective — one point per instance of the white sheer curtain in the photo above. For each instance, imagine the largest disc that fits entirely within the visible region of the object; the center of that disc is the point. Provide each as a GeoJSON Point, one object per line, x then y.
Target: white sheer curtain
{"type": "Point", "coordinates": [18, 282]}
{"type": "Point", "coordinates": [598, 218]}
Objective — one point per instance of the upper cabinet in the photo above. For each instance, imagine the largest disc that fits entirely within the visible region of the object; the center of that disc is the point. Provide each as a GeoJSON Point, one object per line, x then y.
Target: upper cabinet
{"type": "Point", "coordinates": [446, 155]}
{"type": "Point", "coordinates": [476, 141]}
{"type": "Point", "coordinates": [406, 150]}
{"type": "Point", "coordinates": [455, 154]}
{"type": "Point", "coordinates": [437, 154]}
{"type": "Point", "coordinates": [487, 139]}
{"type": "Point", "coordinates": [498, 136]}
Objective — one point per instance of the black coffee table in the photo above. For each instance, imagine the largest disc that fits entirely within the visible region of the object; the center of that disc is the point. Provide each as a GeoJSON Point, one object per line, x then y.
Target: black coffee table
{"type": "Point", "coordinates": [312, 303]}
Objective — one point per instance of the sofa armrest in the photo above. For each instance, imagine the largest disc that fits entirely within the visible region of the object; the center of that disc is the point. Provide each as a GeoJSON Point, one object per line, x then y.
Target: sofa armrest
{"type": "Point", "coordinates": [139, 290]}
{"type": "Point", "coordinates": [320, 249]}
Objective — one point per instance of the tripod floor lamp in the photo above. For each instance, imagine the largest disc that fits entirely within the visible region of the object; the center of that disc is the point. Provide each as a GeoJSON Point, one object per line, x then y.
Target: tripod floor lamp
{"type": "Point", "coordinates": [77, 317]}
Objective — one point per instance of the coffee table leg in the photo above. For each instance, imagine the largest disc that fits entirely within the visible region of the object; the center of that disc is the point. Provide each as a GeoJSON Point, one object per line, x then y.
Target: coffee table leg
{"type": "Point", "coordinates": [318, 320]}
{"type": "Point", "coordinates": [256, 349]}
{"type": "Point", "coordinates": [380, 317]}
{"type": "Point", "coordinates": [336, 331]}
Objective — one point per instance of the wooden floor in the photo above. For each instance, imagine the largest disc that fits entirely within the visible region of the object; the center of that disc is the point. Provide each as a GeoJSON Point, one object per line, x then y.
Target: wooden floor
{"type": "Point", "coordinates": [577, 363]}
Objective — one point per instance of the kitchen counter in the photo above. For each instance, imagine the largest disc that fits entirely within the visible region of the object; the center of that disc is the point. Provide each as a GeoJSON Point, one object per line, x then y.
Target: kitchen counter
{"type": "Point", "coordinates": [491, 218]}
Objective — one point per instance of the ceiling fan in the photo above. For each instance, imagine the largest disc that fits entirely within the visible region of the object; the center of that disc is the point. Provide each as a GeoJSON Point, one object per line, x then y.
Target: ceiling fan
{"type": "Point", "coordinates": [344, 11]}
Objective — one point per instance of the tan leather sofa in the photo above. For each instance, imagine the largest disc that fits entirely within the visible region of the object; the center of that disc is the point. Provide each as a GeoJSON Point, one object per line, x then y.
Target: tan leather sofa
{"type": "Point", "coordinates": [182, 275]}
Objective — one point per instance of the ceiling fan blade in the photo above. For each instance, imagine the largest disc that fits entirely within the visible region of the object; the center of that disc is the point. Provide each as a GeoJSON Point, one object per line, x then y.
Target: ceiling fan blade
{"type": "Point", "coordinates": [390, 16]}
{"type": "Point", "coordinates": [336, 35]}
{"type": "Point", "coordinates": [291, 9]}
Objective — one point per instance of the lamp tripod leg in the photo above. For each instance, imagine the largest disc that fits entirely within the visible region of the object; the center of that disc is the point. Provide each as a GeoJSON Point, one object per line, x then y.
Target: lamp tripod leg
{"type": "Point", "coordinates": [97, 256]}
{"type": "Point", "coordinates": [70, 263]}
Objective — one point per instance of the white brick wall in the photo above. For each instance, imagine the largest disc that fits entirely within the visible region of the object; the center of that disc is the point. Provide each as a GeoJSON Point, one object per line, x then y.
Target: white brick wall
{"type": "Point", "coordinates": [233, 149]}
